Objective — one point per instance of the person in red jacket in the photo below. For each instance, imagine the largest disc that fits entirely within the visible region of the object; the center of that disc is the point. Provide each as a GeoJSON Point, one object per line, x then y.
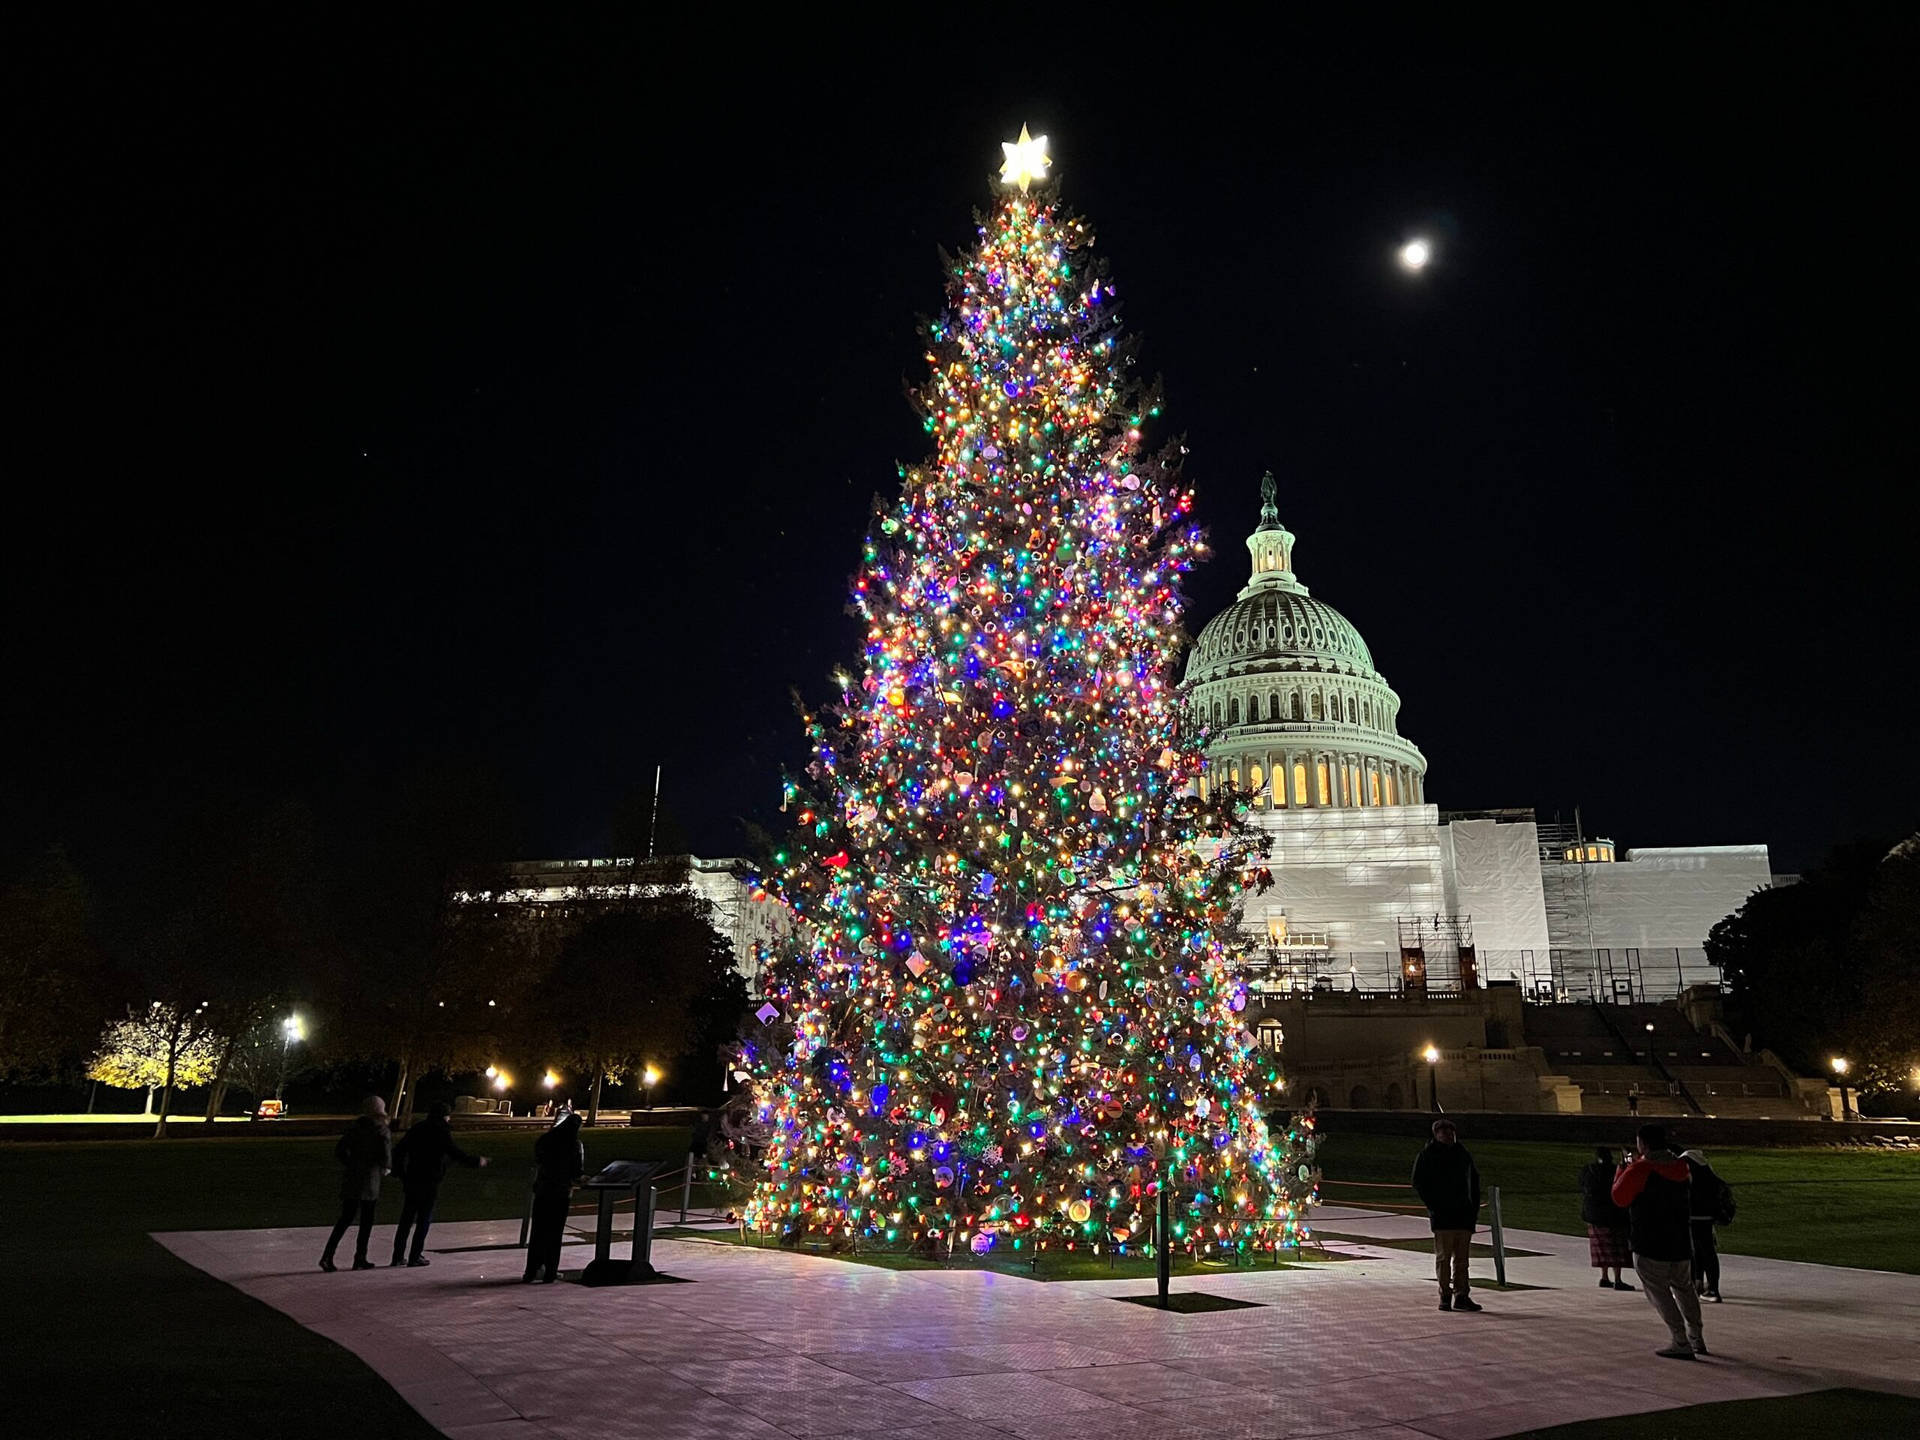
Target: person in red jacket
{"type": "Point", "coordinates": [1655, 1191]}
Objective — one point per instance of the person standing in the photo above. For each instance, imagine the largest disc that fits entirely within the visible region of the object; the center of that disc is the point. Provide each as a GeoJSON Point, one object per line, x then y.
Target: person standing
{"type": "Point", "coordinates": [421, 1158]}
{"type": "Point", "coordinates": [1655, 1190]}
{"type": "Point", "coordinates": [1447, 1183]}
{"type": "Point", "coordinates": [365, 1153]}
{"type": "Point", "coordinates": [1633, 1100]}
{"type": "Point", "coordinates": [1608, 1247]}
{"type": "Point", "coordinates": [1712, 1204]}
{"type": "Point", "coordinates": [560, 1160]}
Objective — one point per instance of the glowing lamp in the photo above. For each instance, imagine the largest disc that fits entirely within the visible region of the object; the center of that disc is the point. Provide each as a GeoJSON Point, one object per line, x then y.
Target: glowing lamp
{"type": "Point", "coordinates": [1431, 1055]}
{"type": "Point", "coordinates": [1415, 255]}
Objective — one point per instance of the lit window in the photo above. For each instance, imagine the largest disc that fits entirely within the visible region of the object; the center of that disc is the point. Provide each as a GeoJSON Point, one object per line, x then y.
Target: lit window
{"type": "Point", "coordinates": [1300, 778]}
{"type": "Point", "coordinates": [1393, 791]}
{"type": "Point", "coordinates": [1373, 787]}
{"type": "Point", "coordinates": [1326, 782]}
{"type": "Point", "coordinates": [1255, 775]}
{"type": "Point", "coordinates": [1203, 784]}
{"type": "Point", "coordinates": [1593, 852]}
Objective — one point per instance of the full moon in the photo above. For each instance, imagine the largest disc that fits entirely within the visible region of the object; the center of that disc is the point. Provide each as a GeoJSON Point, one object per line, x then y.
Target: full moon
{"type": "Point", "coordinates": [1415, 254]}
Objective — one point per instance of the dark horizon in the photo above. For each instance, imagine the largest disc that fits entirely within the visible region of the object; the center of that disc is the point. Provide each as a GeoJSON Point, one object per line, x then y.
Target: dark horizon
{"type": "Point", "coordinates": [394, 394]}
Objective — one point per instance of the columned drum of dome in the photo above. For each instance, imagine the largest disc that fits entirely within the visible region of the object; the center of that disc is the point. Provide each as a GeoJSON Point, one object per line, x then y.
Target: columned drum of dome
{"type": "Point", "coordinates": [1288, 690]}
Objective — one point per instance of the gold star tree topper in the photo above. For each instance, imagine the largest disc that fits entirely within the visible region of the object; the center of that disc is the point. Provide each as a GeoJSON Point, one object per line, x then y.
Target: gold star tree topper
{"type": "Point", "coordinates": [1026, 162]}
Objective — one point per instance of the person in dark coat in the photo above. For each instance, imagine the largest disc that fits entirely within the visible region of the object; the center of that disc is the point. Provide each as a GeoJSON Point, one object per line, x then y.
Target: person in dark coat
{"type": "Point", "coordinates": [1656, 1190]}
{"type": "Point", "coordinates": [421, 1159]}
{"type": "Point", "coordinates": [1707, 1190]}
{"type": "Point", "coordinates": [560, 1160]}
{"type": "Point", "coordinates": [365, 1154]}
{"type": "Point", "coordinates": [1447, 1183]}
{"type": "Point", "coordinates": [1608, 1245]}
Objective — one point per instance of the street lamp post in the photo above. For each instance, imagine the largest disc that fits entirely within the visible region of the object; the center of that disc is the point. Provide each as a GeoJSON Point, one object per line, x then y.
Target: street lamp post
{"type": "Point", "coordinates": [649, 1078]}
{"type": "Point", "coordinates": [1840, 1068]}
{"type": "Point", "coordinates": [1649, 1042]}
{"type": "Point", "coordinates": [290, 1030]}
{"type": "Point", "coordinates": [1432, 1056]}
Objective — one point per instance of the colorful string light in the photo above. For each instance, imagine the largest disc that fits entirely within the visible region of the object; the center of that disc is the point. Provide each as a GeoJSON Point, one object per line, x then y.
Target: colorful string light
{"type": "Point", "coordinates": [1005, 1009]}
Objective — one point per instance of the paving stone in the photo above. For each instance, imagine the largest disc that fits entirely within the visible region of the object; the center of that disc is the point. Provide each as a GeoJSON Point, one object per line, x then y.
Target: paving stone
{"type": "Point", "coordinates": [768, 1345]}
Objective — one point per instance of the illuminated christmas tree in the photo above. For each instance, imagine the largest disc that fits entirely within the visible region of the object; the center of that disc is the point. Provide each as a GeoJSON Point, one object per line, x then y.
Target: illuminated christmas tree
{"type": "Point", "coordinates": [1004, 1012]}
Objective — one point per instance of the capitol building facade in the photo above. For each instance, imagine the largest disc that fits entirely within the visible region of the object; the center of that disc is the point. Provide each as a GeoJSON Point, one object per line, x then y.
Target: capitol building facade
{"type": "Point", "coordinates": [1378, 890]}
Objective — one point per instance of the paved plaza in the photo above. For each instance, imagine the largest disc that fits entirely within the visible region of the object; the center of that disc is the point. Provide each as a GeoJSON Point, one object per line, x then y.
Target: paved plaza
{"type": "Point", "coordinates": [764, 1345]}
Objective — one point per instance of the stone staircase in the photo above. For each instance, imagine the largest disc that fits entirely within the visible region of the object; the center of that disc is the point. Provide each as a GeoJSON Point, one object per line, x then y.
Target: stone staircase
{"type": "Point", "coordinates": [1613, 1050]}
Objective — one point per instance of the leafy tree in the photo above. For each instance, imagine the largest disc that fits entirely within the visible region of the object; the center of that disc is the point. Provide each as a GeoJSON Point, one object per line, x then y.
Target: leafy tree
{"type": "Point", "coordinates": [1829, 967]}
{"type": "Point", "coordinates": [634, 985]}
{"type": "Point", "coordinates": [159, 1048]}
{"type": "Point", "coordinates": [51, 969]}
{"type": "Point", "coordinates": [1883, 1038]}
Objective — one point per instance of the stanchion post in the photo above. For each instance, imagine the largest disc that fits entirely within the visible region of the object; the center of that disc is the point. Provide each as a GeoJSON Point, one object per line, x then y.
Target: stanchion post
{"type": "Point", "coordinates": [1499, 1240]}
{"type": "Point", "coordinates": [1163, 1252]}
{"type": "Point", "coordinates": [686, 1188]}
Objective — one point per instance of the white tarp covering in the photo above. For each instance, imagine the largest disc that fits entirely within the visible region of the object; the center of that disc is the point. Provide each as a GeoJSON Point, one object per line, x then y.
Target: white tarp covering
{"type": "Point", "coordinates": [1658, 898]}
{"type": "Point", "coordinates": [1352, 873]}
{"type": "Point", "coordinates": [1494, 870]}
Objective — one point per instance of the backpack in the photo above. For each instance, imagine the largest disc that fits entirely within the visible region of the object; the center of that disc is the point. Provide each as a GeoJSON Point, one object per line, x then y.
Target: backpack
{"type": "Point", "coordinates": [1723, 1206]}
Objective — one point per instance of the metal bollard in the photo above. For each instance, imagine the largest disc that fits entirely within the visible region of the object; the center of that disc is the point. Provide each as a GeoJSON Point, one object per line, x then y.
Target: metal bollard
{"type": "Point", "coordinates": [1499, 1240]}
{"type": "Point", "coordinates": [686, 1189]}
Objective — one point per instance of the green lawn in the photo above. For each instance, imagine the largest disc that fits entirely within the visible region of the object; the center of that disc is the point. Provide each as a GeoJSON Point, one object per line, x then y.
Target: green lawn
{"type": "Point", "coordinates": [1831, 1207]}
{"type": "Point", "coordinates": [103, 1318]}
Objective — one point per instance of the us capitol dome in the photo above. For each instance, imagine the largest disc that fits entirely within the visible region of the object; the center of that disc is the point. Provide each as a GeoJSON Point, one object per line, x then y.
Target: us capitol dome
{"type": "Point", "coordinates": [1297, 714]}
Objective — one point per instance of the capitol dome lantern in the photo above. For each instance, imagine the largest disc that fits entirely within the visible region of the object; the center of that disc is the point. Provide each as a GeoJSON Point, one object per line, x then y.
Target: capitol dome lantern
{"type": "Point", "coordinates": [1294, 710]}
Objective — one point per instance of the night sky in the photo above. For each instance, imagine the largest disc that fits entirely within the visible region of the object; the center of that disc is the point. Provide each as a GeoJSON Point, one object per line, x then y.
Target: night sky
{"type": "Point", "coordinates": [514, 393]}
